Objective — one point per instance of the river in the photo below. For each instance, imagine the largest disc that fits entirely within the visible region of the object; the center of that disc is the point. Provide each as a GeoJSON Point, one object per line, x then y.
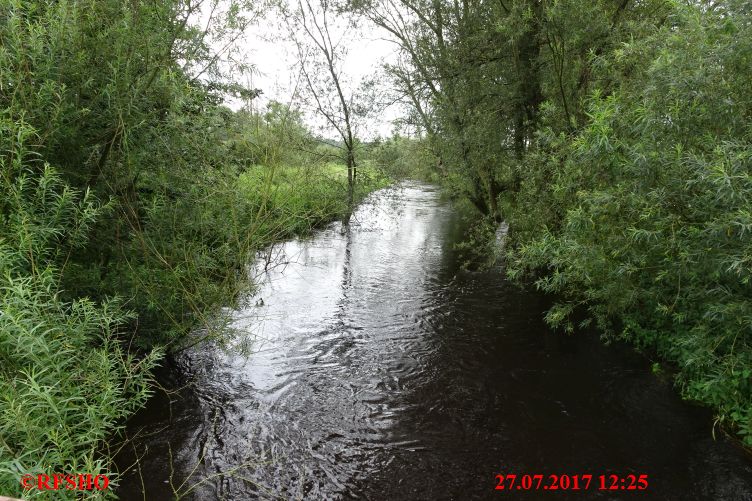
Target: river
{"type": "Point", "coordinates": [380, 370]}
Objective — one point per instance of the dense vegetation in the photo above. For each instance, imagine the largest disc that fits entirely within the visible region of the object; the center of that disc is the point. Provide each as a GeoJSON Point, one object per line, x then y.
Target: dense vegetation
{"type": "Point", "coordinates": [614, 136]}
{"type": "Point", "coordinates": [131, 201]}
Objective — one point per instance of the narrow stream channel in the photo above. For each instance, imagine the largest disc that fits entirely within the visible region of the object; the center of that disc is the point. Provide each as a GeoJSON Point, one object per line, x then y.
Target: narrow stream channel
{"type": "Point", "coordinates": [381, 371]}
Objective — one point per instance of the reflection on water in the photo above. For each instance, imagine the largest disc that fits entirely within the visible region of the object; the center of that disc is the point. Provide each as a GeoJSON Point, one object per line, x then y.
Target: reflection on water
{"type": "Point", "coordinates": [382, 371]}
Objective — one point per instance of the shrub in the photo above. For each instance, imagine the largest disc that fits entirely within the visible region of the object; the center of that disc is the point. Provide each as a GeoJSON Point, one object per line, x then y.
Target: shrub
{"type": "Point", "coordinates": [66, 380]}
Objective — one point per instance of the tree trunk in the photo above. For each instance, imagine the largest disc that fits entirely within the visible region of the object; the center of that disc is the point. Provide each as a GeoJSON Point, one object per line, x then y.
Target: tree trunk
{"type": "Point", "coordinates": [351, 173]}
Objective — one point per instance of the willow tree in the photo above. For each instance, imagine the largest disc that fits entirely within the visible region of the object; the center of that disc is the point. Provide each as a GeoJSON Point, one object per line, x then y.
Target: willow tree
{"type": "Point", "coordinates": [123, 101]}
{"type": "Point", "coordinates": [488, 77]}
{"type": "Point", "coordinates": [619, 132]}
{"type": "Point", "coordinates": [320, 33]}
{"type": "Point", "coordinates": [454, 72]}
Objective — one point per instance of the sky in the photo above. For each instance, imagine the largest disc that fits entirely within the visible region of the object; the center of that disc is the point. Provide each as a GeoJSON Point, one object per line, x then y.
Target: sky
{"type": "Point", "coordinates": [266, 46]}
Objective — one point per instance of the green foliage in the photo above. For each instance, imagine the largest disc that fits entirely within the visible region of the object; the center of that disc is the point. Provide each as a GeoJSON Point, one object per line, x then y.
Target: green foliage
{"type": "Point", "coordinates": [478, 248]}
{"type": "Point", "coordinates": [614, 138]}
{"type": "Point", "coordinates": [66, 381]}
{"type": "Point", "coordinates": [653, 227]}
{"type": "Point", "coordinates": [403, 157]}
{"type": "Point", "coordinates": [123, 99]}
{"type": "Point", "coordinates": [147, 134]}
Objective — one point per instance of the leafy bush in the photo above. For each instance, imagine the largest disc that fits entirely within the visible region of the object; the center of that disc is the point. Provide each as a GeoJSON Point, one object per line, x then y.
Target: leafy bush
{"type": "Point", "coordinates": [123, 98]}
{"type": "Point", "coordinates": [656, 214]}
{"type": "Point", "coordinates": [66, 380]}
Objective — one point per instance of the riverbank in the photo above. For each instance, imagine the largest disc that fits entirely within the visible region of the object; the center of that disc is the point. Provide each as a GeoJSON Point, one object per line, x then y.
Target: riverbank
{"type": "Point", "coordinates": [383, 370]}
{"type": "Point", "coordinates": [70, 376]}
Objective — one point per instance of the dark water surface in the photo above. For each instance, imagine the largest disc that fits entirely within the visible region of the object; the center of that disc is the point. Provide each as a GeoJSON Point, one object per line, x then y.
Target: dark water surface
{"type": "Point", "coordinates": [382, 372]}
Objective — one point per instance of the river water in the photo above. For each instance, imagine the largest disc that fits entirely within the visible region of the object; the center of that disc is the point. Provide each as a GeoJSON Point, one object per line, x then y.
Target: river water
{"type": "Point", "coordinates": [382, 371]}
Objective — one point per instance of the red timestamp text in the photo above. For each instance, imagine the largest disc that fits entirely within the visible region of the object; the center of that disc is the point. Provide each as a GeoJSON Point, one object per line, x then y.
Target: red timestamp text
{"type": "Point", "coordinates": [580, 482]}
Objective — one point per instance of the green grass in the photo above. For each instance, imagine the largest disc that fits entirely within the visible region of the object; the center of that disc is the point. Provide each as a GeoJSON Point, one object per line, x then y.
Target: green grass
{"type": "Point", "coordinates": [298, 199]}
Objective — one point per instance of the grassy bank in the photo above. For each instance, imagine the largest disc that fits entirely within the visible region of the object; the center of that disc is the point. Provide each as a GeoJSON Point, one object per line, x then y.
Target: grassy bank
{"type": "Point", "coordinates": [68, 378]}
{"type": "Point", "coordinates": [298, 199]}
